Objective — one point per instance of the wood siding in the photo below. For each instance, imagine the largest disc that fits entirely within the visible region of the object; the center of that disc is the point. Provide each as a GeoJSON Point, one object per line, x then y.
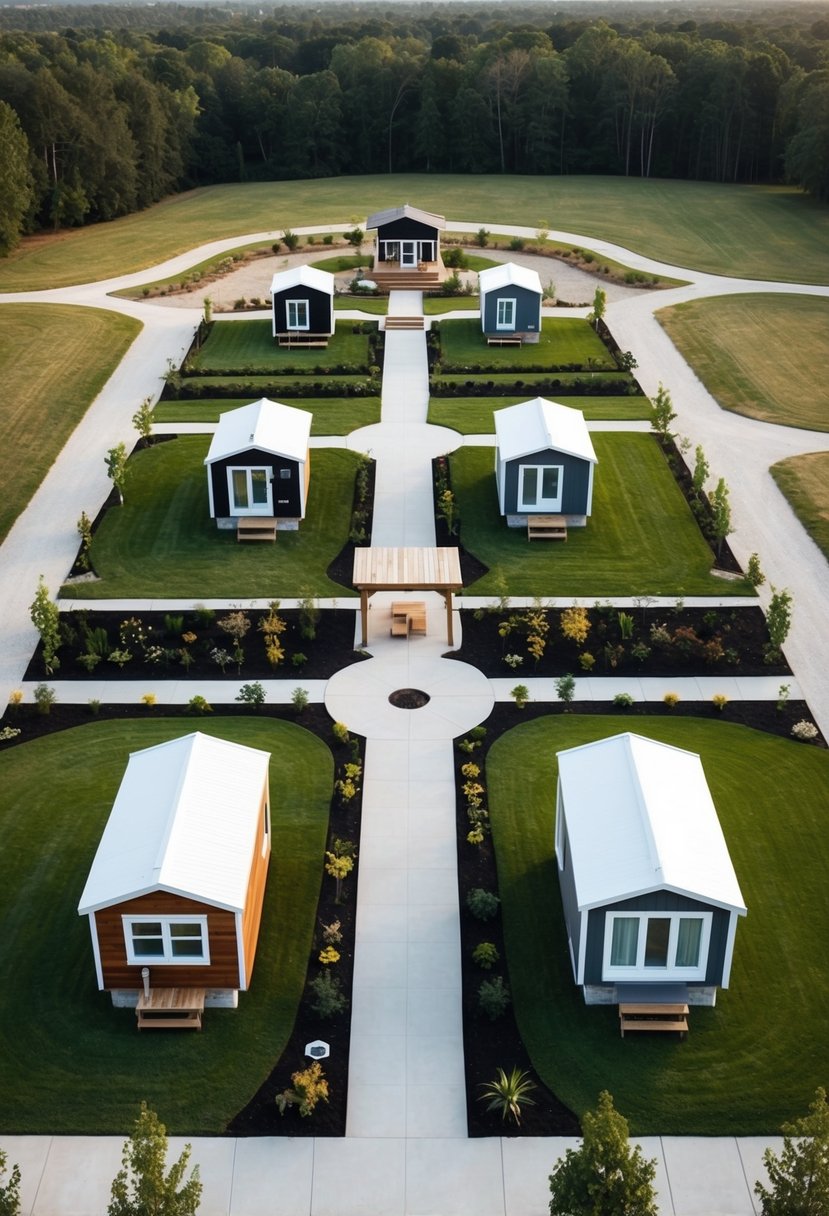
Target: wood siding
{"type": "Point", "coordinates": [252, 915]}
{"type": "Point", "coordinates": [223, 971]}
{"type": "Point", "coordinates": [575, 487]}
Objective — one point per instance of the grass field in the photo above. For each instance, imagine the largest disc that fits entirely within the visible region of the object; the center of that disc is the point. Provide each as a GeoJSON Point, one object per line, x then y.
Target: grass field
{"type": "Point", "coordinates": [73, 1064]}
{"type": "Point", "coordinates": [332, 415]}
{"type": "Point", "coordinates": [249, 346]}
{"type": "Point", "coordinates": [805, 482]}
{"type": "Point", "coordinates": [344, 261]}
{"type": "Point", "coordinates": [435, 306]}
{"type": "Point", "coordinates": [758, 232]}
{"type": "Point", "coordinates": [49, 382]}
{"type": "Point", "coordinates": [163, 536]}
{"type": "Point", "coordinates": [562, 342]}
{"type": "Point", "coordinates": [746, 1065]}
{"type": "Point", "coordinates": [763, 356]}
{"type": "Point", "coordinates": [640, 538]}
{"type": "Point", "coordinates": [375, 306]}
{"type": "Point", "coordinates": [475, 415]}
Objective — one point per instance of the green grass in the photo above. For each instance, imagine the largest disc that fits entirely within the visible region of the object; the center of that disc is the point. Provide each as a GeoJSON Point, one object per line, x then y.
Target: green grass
{"type": "Point", "coordinates": [343, 261]}
{"type": "Point", "coordinates": [163, 536]}
{"type": "Point", "coordinates": [49, 381]}
{"type": "Point", "coordinates": [805, 482]}
{"type": "Point", "coordinates": [640, 538]}
{"type": "Point", "coordinates": [748, 1064]}
{"type": "Point", "coordinates": [755, 231]}
{"type": "Point", "coordinates": [69, 1062]}
{"type": "Point", "coordinates": [332, 415]}
{"type": "Point", "coordinates": [434, 306]}
{"type": "Point", "coordinates": [197, 272]}
{"type": "Point", "coordinates": [760, 355]}
{"type": "Point", "coordinates": [377, 306]}
{"type": "Point", "coordinates": [250, 345]}
{"type": "Point", "coordinates": [475, 415]}
{"type": "Point", "coordinates": [562, 342]}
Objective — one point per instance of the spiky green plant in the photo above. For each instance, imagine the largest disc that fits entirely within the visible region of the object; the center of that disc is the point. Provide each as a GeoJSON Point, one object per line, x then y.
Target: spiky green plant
{"type": "Point", "coordinates": [508, 1093]}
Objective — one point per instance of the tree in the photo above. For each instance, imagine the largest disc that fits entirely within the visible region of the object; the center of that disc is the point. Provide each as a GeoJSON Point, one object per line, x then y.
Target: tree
{"type": "Point", "coordinates": [599, 307]}
{"type": "Point", "coordinates": [116, 463]}
{"type": "Point", "coordinates": [799, 1177]}
{"type": "Point", "coordinates": [46, 620]}
{"type": "Point", "coordinates": [16, 187]}
{"type": "Point", "coordinates": [720, 513]}
{"type": "Point", "coordinates": [141, 1187]}
{"type": "Point", "coordinates": [142, 419]}
{"type": "Point", "coordinates": [663, 413]}
{"type": "Point", "coordinates": [606, 1176]}
{"type": "Point", "coordinates": [701, 471]}
{"type": "Point", "coordinates": [778, 623]}
{"type": "Point", "coordinates": [9, 1191]}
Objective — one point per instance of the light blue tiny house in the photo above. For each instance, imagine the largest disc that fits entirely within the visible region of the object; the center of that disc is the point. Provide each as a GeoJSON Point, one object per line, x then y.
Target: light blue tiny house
{"type": "Point", "coordinates": [510, 303]}
{"type": "Point", "coordinates": [544, 462]}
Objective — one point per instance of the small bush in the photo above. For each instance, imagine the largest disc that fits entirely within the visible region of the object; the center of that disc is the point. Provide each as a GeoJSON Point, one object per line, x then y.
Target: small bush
{"type": "Point", "coordinates": [477, 733]}
{"type": "Point", "coordinates": [587, 661]}
{"type": "Point", "coordinates": [671, 699]}
{"type": "Point", "coordinates": [198, 706]}
{"type": "Point", "coordinates": [308, 1088]}
{"type": "Point", "coordinates": [517, 243]}
{"type": "Point", "coordinates": [327, 996]}
{"type": "Point", "coordinates": [493, 998]}
{"type": "Point", "coordinates": [805, 731]}
{"type": "Point", "coordinates": [719, 701]}
{"type": "Point", "coordinates": [45, 698]}
{"type": "Point", "coordinates": [485, 955]}
{"type": "Point", "coordinates": [329, 955]}
{"type": "Point", "coordinates": [94, 706]}
{"type": "Point", "coordinates": [623, 700]}
{"type": "Point", "coordinates": [482, 904]}
{"type": "Point", "coordinates": [299, 699]}
{"type": "Point", "coordinates": [252, 694]}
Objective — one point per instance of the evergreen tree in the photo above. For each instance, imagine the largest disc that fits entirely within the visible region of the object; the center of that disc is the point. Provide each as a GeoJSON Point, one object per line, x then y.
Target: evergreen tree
{"type": "Point", "coordinates": [16, 185]}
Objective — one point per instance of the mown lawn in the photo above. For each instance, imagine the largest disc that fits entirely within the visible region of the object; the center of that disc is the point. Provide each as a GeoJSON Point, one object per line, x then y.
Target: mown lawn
{"type": "Point", "coordinates": [332, 415]}
{"type": "Point", "coordinates": [759, 355]}
{"type": "Point", "coordinates": [434, 306]}
{"type": "Point", "coordinates": [758, 232]}
{"type": "Point", "coordinates": [640, 538]}
{"type": "Point", "coordinates": [805, 482]}
{"type": "Point", "coordinates": [476, 415]}
{"type": "Point", "coordinates": [563, 341]}
{"type": "Point", "coordinates": [250, 345]}
{"type": "Point", "coordinates": [49, 382]}
{"type": "Point", "coordinates": [344, 261]}
{"type": "Point", "coordinates": [163, 537]}
{"type": "Point", "coordinates": [69, 1062]}
{"type": "Point", "coordinates": [748, 1064]}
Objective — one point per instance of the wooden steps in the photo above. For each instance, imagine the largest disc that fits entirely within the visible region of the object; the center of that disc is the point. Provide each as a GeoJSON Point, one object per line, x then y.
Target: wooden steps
{"type": "Point", "coordinates": [404, 323]}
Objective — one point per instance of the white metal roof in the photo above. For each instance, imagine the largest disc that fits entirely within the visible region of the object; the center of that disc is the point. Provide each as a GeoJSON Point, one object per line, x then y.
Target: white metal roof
{"type": "Point", "coordinates": [267, 425]}
{"type": "Point", "coordinates": [509, 274]}
{"type": "Point", "coordinates": [640, 817]}
{"type": "Point", "coordinates": [308, 276]}
{"type": "Point", "coordinates": [185, 820]}
{"type": "Point", "coordinates": [533, 426]}
{"type": "Point", "coordinates": [381, 218]}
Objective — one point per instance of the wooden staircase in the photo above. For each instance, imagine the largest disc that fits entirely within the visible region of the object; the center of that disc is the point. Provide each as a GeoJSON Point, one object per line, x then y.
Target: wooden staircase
{"type": "Point", "coordinates": [406, 280]}
{"type": "Point", "coordinates": [404, 323]}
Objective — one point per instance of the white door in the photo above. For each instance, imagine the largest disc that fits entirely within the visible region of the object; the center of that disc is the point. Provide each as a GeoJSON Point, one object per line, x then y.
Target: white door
{"type": "Point", "coordinates": [408, 253]}
{"type": "Point", "coordinates": [540, 487]}
{"type": "Point", "coordinates": [250, 491]}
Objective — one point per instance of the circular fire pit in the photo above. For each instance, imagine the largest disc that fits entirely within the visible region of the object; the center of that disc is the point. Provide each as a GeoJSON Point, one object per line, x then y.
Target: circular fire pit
{"type": "Point", "coordinates": [409, 698]}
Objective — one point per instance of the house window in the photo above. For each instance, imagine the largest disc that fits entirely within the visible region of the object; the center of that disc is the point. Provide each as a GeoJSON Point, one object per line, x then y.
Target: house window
{"type": "Point", "coordinates": [505, 316]}
{"type": "Point", "coordinates": [250, 491]}
{"type": "Point", "coordinates": [650, 945]}
{"type": "Point", "coordinates": [299, 314]}
{"type": "Point", "coordinates": [540, 487]}
{"type": "Point", "coordinates": [167, 939]}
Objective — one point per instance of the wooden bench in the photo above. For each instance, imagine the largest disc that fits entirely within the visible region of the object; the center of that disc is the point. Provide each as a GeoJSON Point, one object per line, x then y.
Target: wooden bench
{"type": "Point", "coordinates": [303, 339]}
{"type": "Point", "coordinates": [654, 1017]}
{"type": "Point", "coordinates": [256, 527]}
{"type": "Point", "coordinates": [408, 616]}
{"type": "Point", "coordinates": [170, 1009]}
{"type": "Point", "coordinates": [546, 527]}
{"type": "Point", "coordinates": [504, 341]}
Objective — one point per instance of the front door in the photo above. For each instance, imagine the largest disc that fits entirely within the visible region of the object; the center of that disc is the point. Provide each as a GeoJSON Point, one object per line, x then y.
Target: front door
{"type": "Point", "coordinates": [408, 253]}
{"type": "Point", "coordinates": [250, 491]}
{"type": "Point", "coordinates": [539, 488]}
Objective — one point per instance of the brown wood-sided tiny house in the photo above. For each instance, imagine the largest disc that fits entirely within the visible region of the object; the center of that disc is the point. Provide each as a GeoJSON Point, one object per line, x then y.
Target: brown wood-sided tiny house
{"type": "Point", "coordinates": [178, 881]}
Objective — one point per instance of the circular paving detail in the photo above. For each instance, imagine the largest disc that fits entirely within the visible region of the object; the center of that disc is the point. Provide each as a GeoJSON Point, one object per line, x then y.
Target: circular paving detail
{"type": "Point", "coordinates": [409, 698]}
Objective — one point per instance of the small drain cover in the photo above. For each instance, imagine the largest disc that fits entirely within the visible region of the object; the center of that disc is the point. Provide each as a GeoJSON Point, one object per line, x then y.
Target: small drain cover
{"type": "Point", "coordinates": [409, 698]}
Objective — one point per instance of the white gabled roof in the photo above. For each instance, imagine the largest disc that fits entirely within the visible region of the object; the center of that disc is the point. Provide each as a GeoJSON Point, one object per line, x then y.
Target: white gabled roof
{"type": "Point", "coordinates": [185, 819]}
{"type": "Point", "coordinates": [381, 218]}
{"type": "Point", "coordinates": [308, 276]}
{"type": "Point", "coordinates": [534, 426]}
{"type": "Point", "coordinates": [639, 818]}
{"type": "Point", "coordinates": [508, 275]}
{"type": "Point", "coordinates": [267, 425]}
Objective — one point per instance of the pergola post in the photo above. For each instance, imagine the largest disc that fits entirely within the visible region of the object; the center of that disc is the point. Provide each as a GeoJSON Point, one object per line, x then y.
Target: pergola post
{"type": "Point", "coordinates": [364, 613]}
{"type": "Point", "coordinates": [447, 595]}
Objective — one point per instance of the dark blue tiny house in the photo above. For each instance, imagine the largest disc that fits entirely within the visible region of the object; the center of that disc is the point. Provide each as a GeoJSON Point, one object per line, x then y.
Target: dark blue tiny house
{"type": "Point", "coordinates": [407, 237]}
{"type": "Point", "coordinates": [649, 893]}
{"type": "Point", "coordinates": [303, 305]}
{"type": "Point", "coordinates": [511, 298]}
{"type": "Point", "coordinates": [258, 464]}
{"type": "Point", "coordinates": [544, 462]}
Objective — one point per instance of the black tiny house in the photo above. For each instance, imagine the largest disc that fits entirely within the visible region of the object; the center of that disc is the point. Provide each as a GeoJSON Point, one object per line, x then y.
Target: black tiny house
{"type": "Point", "coordinates": [406, 236]}
{"type": "Point", "coordinates": [303, 303]}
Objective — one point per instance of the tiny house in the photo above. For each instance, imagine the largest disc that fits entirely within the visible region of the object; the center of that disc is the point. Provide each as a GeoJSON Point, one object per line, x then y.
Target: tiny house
{"type": "Point", "coordinates": [258, 464]}
{"type": "Point", "coordinates": [178, 881]}
{"type": "Point", "coordinates": [406, 237]}
{"type": "Point", "coordinates": [511, 299]}
{"type": "Point", "coordinates": [649, 893]}
{"type": "Point", "coordinates": [303, 305]}
{"type": "Point", "coordinates": [544, 462]}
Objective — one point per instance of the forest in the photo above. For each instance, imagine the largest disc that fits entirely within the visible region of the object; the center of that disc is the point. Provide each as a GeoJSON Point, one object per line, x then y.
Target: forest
{"type": "Point", "coordinates": [105, 109]}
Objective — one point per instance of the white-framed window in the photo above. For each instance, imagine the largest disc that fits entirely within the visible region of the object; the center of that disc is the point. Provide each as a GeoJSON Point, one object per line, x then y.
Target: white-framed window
{"type": "Point", "coordinates": [540, 487]}
{"type": "Point", "coordinates": [299, 314]}
{"type": "Point", "coordinates": [656, 945]}
{"type": "Point", "coordinates": [250, 490]}
{"type": "Point", "coordinates": [505, 314]}
{"type": "Point", "coordinates": [179, 940]}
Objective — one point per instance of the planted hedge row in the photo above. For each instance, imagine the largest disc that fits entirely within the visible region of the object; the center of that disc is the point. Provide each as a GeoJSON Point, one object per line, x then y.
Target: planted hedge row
{"type": "Point", "coordinates": [443, 386]}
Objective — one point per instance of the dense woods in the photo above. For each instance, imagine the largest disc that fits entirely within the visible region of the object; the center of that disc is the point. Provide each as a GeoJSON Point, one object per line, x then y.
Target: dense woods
{"type": "Point", "coordinates": [105, 109]}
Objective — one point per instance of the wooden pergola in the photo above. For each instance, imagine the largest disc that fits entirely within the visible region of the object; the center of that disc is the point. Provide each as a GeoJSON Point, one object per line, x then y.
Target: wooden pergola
{"type": "Point", "coordinates": [407, 570]}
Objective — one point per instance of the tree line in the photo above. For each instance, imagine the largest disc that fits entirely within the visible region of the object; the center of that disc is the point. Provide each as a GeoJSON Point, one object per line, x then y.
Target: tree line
{"type": "Point", "coordinates": [125, 105]}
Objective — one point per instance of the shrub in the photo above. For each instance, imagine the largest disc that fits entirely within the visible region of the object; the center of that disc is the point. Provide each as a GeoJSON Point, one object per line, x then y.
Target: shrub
{"type": "Point", "coordinates": [719, 701]}
{"type": "Point", "coordinates": [327, 996]}
{"type": "Point", "coordinates": [482, 904]}
{"type": "Point", "coordinates": [478, 733]}
{"type": "Point", "coordinates": [493, 998]}
{"type": "Point", "coordinates": [671, 699]}
{"type": "Point", "coordinates": [783, 694]}
{"type": "Point", "coordinates": [46, 619]}
{"type": "Point", "coordinates": [199, 706]}
{"type": "Point", "coordinates": [308, 1088]}
{"type": "Point", "coordinates": [485, 955]}
{"type": "Point", "coordinates": [587, 661]}
{"type": "Point", "coordinates": [331, 934]}
{"type": "Point", "coordinates": [566, 688]}
{"type": "Point", "coordinates": [805, 731]}
{"type": "Point", "coordinates": [329, 955]}
{"type": "Point", "coordinates": [300, 699]}
{"type": "Point", "coordinates": [513, 660]}
{"type": "Point", "coordinates": [778, 621]}
{"type": "Point", "coordinates": [45, 698]}
{"type": "Point", "coordinates": [9, 732]}
{"type": "Point", "coordinates": [623, 700]}
{"type": "Point", "coordinates": [340, 732]}
{"type": "Point", "coordinates": [252, 694]}
{"type": "Point", "coordinates": [290, 240]}
{"type": "Point", "coordinates": [94, 706]}
{"type": "Point", "coordinates": [16, 697]}
{"type": "Point", "coordinates": [508, 1093]}
{"type": "Point", "coordinates": [482, 238]}
{"type": "Point", "coordinates": [517, 243]}
{"type": "Point", "coordinates": [149, 699]}
{"type": "Point", "coordinates": [575, 624]}
{"type": "Point", "coordinates": [520, 694]}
